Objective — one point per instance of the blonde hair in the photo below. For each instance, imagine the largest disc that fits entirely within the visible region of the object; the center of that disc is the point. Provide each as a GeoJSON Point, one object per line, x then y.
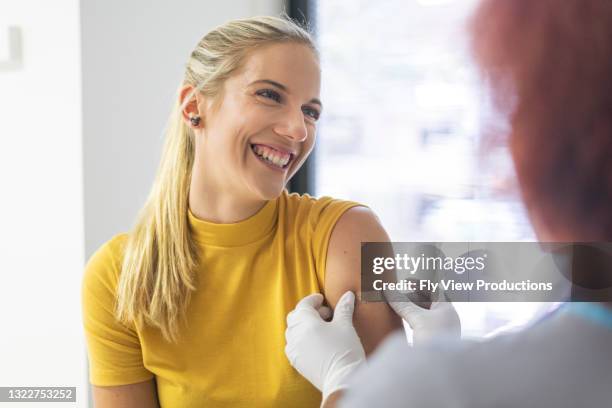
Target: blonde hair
{"type": "Point", "coordinates": [157, 275]}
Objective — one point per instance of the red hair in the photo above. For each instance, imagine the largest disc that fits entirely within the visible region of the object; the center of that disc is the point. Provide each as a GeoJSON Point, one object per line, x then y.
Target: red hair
{"type": "Point", "coordinates": [549, 64]}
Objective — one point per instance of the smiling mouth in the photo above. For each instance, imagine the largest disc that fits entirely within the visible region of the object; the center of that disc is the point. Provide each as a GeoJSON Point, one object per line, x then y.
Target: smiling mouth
{"type": "Point", "coordinates": [272, 157]}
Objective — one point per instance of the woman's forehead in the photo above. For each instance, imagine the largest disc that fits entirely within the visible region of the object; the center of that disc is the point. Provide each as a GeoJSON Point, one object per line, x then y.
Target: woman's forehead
{"type": "Point", "coordinates": [293, 65]}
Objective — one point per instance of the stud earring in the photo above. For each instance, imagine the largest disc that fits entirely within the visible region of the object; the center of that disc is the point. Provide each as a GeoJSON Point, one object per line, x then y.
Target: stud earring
{"type": "Point", "coordinates": [195, 120]}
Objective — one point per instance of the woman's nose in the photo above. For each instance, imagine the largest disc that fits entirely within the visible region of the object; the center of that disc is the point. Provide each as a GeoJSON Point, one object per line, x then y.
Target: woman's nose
{"type": "Point", "coordinates": [293, 126]}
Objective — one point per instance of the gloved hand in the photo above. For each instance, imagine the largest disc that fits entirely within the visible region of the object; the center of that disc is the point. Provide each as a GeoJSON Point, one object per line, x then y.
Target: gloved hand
{"type": "Point", "coordinates": [325, 353]}
{"type": "Point", "coordinates": [441, 319]}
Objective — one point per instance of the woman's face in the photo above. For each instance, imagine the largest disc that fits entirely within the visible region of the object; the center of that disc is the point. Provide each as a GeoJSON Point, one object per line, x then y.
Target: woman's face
{"type": "Point", "coordinates": [261, 128]}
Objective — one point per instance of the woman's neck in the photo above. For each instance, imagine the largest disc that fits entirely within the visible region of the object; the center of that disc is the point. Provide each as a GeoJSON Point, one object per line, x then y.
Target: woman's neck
{"type": "Point", "coordinates": [219, 206]}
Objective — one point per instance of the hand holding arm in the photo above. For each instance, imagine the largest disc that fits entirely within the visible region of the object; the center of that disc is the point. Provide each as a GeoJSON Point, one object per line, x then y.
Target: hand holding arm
{"type": "Point", "coordinates": [325, 353]}
{"type": "Point", "coordinates": [441, 319]}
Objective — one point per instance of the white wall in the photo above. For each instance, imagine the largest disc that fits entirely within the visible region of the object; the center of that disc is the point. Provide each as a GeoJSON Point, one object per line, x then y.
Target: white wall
{"type": "Point", "coordinates": [80, 136]}
{"type": "Point", "coordinates": [41, 199]}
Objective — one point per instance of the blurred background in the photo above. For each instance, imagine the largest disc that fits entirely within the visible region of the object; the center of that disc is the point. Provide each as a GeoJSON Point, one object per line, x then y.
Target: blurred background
{"type": "Point", "coordinates": [85, 91]}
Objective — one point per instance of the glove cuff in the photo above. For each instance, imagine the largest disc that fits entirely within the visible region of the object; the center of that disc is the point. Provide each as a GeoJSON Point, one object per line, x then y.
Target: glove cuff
{"type": "Point", "coordinates": [339, 380]}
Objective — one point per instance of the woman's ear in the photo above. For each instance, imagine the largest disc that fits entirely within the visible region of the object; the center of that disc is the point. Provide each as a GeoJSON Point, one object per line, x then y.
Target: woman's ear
{"type": "Point", "coordinates": [191, 113]}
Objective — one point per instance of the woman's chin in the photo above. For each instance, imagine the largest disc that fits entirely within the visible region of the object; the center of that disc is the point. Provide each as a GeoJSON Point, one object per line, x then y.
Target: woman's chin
{"type": "Point", "coordinates": [268, 192]}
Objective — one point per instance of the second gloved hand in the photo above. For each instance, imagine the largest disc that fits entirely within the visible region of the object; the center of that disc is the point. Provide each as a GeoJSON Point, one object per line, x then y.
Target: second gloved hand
{"type": "Point", "coordinates": [325, 353]}
{"type": "Point", "coordinates": [441, 319]}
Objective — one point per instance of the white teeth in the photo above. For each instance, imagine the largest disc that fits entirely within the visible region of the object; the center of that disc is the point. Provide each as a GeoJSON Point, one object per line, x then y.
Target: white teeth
{"type": "Point", "coordinates": [270, 156]}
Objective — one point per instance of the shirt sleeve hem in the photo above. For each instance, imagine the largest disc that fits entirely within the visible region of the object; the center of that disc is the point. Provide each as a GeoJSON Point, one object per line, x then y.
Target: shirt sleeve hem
{"type": "Point", "coordinates": [125, 378]}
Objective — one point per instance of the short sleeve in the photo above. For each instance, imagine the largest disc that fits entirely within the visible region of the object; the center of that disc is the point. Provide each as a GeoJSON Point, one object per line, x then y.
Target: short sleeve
{"type": "Point", "coordinates": [324, 215]}
{"type": "Point", "coordinates": [115, 355]}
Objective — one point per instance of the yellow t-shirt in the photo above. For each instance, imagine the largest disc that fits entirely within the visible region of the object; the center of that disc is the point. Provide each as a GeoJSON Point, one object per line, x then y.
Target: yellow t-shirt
{"type": "Point", "coordinates": [252, 273]}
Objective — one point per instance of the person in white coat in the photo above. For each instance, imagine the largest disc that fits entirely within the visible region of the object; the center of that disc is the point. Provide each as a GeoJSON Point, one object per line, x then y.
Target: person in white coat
{"type": "Point", "coordinates": [548, 63]}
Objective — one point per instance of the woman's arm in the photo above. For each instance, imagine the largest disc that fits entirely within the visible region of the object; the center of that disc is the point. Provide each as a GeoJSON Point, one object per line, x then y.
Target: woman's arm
{"type": "Point", "coordinates": [143, 394]}
{"type": "Point", "coordinates": [373, 321]}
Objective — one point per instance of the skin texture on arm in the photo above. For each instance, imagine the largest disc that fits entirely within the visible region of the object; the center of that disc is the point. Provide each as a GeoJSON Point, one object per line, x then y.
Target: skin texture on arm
{"type": "Point", "coordinates": [375, 320]}
{"type": "Point", "coordinates": [142, 395]}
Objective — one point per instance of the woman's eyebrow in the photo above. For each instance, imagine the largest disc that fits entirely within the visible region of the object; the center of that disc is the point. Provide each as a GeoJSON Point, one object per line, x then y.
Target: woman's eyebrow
{"type": "Point", "coordinates": [271, 82]}
{"type": "Point", "coordinates": [284, 88]}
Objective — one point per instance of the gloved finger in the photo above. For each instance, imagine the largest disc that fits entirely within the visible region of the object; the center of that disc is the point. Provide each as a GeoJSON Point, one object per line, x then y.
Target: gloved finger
{"type": "Point", "coordinates": [291, 355]}
{"type": "Point", "coordinates": [307, 306]}
{"type": "Point", "coordinates": [344, 309]}
{"type": "Point", "coordinates": [302, 315]}
{"type": "Point", "coordinates": [442, 300]}
{"type": "Point", "coordinates": [325, 312]}
{"type": "Point", "coordinates": [406, 309]}
{"type": "Point", "coordinates": [312, 301]}
{"type": "Point", "coordinates": [289, 335]}
{"type": "Point", "coordinates": [446, 313]}
{"type": "Point", "coordinates": [295, 327]}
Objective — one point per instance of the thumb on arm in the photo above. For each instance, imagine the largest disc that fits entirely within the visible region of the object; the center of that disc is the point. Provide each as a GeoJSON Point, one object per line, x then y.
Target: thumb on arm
{"type": "Point", "coordinates": [306, 309]}
{"type": "Point", "coordinates": [313, 301]}
{"type": "Point", "coordinates": [345, 308]}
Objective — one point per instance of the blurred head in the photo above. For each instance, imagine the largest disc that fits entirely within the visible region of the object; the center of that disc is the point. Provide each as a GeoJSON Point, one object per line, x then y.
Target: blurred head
{"type": "Point", "coordinates": [549, 64]}
{"type": "Point", "coordinates": [259, 109]}
{"type": "Point", "coordinates": [254, 83]}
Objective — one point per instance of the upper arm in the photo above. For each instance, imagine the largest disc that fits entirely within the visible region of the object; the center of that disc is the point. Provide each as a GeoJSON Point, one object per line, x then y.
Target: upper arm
{"type": "Point", "coordinates": [374, 320]}
{"type": "Point", "coordinates": [143, 394]}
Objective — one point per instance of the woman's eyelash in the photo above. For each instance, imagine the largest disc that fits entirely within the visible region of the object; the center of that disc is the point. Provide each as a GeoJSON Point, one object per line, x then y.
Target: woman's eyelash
{"type": "Point", "coordinates": [313, 113]}
{"type": "Point", "coordinates": [270, 94]}
{"type": "Point", "coordinates": [275, 96]}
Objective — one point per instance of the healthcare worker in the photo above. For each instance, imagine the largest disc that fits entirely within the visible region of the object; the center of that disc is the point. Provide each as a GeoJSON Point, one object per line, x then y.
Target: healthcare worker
{"type": "Point", "coordinates": [549, 65]}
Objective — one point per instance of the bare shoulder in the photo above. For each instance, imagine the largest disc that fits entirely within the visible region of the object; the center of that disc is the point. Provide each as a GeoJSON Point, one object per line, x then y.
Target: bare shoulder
{"type": "Point", "coordinates": [356, 225]}
{"type": "Point", "coordinates": [142, 394]}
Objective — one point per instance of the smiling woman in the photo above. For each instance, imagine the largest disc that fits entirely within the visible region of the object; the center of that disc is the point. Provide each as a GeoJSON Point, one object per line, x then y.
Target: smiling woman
{"type": "Point", "coordinates": [266, 110]}
{"type": "Point", "coordinates": [188, 308]}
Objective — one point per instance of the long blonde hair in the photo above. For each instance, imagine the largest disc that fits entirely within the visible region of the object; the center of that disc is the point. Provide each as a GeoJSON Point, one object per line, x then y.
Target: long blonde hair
{"type": "Point", "coordinates": [157, 275]}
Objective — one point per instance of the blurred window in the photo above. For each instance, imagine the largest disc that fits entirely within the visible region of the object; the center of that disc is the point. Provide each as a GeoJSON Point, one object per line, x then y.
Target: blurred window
{"type": "Point", "coordinates": [401, 132]}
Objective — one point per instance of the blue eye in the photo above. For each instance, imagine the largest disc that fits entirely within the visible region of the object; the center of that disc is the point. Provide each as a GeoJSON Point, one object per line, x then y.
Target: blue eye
{"type": "Point", "coordinates": [313, 113]}
{"type": "Point", "coordinates": [270, 94]}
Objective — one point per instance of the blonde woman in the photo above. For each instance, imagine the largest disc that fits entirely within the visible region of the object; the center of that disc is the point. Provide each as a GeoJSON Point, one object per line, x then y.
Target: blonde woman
{"type": "Point", "coordinates": [188, 308]}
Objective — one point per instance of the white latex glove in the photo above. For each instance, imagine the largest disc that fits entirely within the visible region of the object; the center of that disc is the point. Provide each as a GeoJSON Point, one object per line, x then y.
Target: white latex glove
{"type": "Point", "coordinates": [325, 353]}
{"type": "Point", "coordinates": [441, 319]}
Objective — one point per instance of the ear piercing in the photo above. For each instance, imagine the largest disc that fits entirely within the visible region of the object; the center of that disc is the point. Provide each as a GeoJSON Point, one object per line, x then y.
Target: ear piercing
{"type": "Point", "coordinates": [195, 120]}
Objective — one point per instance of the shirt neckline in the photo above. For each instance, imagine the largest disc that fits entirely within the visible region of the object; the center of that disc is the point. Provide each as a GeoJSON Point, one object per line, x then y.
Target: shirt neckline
{"type": "Point", "coordinates": [239, 233]}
